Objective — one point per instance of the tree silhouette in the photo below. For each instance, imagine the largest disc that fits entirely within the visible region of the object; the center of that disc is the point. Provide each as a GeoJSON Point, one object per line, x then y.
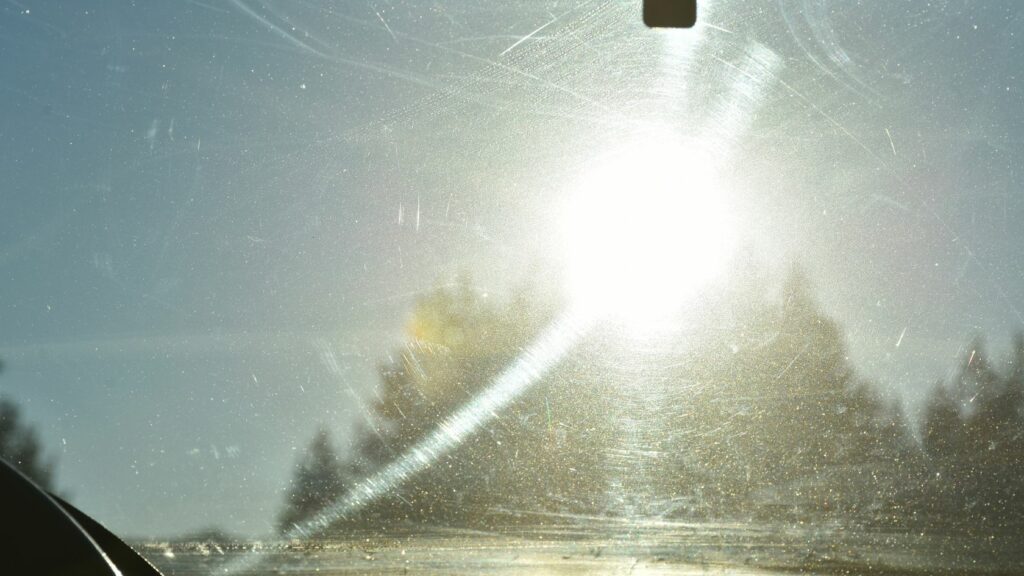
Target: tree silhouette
{"type": "Point", "coordinates": [973, 440]}
{"type": "Point", "coordinates": [755, 411]}
{"type": "Point", "coordinates": [539, 455]}
{"type": "Point", "coordinates": [319, 480]}
{"type": "Point", "coordinates": [781, 424]}
{"type": "Point", "coordinates": [20, 445]}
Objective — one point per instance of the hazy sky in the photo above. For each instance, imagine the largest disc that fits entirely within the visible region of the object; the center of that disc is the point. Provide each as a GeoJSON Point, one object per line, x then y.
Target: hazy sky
{"type": "Point", "coordinates": [214, 215]}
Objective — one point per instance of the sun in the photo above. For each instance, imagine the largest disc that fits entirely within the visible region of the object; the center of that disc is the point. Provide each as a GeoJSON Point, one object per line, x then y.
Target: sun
{"type": "Point", "coordinates": [646, 227]}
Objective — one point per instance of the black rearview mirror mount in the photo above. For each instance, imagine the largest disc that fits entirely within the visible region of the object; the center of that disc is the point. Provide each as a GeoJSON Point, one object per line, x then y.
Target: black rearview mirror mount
{"type": "Point", "coordinates": [670, 13]}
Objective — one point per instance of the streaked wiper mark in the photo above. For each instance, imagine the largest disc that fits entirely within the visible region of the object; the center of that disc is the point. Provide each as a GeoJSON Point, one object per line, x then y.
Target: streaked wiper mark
{"type": "Point", "coordinates": [527, 370]}
{"type": "Point", "coordinates": [334, 58]}
{"type": "Point", "coordinates": [386, 27]}
{"type": "Point", "coordinates": [528, 36]}
{"type": "Point", "coordinates": [276, 29]}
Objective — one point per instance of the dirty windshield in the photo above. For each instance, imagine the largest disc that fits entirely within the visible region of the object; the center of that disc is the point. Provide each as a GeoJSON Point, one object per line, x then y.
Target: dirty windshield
{"type": "Point", "coordinates": [519, 287]}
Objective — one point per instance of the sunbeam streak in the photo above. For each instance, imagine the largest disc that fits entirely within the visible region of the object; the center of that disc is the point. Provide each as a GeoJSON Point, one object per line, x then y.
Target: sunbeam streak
{"type": "Point", "coordinates": [527, 370]}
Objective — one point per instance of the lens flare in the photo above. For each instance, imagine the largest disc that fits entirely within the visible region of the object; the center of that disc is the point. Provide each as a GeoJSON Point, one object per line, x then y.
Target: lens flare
{"type": "Point", "coordinates": [646, 227]}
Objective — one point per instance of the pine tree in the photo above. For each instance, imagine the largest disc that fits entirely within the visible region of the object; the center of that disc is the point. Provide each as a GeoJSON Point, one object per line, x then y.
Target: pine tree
{"type": "Point", "coordinates": [20, 445]}
{"type": "Point", "coordinates": [787, 427]}
{"type": "Point", "coordinates": [973, 439]}
{"type": "Point", "coordinates": [319, 480]}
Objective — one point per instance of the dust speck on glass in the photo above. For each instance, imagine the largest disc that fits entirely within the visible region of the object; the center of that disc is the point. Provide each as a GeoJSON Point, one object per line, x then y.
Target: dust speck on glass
{"type": "Point", "coordinates": [523, 286]}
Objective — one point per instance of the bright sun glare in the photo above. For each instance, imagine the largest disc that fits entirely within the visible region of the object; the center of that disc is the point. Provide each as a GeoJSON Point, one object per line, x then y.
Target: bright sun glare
{"type": "Point", "coordinates": [646, 227]}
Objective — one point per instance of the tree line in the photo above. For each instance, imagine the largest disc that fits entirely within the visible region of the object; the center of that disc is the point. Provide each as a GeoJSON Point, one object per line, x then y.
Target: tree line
{"type": "Point", "coordinates": [753, 411]}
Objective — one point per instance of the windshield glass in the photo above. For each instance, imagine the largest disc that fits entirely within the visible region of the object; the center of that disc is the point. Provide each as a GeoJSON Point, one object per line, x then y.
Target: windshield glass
{"type": "Point", "coordinates": [518, 286]}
